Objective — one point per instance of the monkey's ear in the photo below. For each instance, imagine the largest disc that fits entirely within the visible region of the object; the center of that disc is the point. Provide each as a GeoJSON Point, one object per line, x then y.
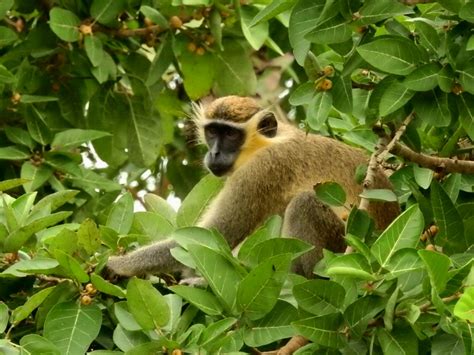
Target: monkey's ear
{"type": "Point", "coordinates": [268, 125]}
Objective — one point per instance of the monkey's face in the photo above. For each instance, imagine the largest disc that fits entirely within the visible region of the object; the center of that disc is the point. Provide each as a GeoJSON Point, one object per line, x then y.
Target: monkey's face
{"type": "Point", "coordinates": [224, 142]}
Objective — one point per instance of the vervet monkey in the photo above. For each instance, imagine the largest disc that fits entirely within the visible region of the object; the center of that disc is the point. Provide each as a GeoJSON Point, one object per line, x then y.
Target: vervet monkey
{"type": "Point", "coordinates": [270, 168]}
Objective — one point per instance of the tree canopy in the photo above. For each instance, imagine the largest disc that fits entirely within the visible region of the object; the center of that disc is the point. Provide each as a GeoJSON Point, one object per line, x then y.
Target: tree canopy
{"type": "Point", "coordinates": [94, 101]}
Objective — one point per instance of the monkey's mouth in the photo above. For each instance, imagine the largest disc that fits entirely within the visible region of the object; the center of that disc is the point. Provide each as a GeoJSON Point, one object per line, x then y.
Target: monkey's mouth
{"type": "Point", "coordinates": [220, 170]}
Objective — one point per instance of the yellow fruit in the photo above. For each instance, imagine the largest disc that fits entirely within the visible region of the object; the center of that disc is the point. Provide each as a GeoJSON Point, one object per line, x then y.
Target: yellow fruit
{"type": "Point", "coordinates": [175, 22]}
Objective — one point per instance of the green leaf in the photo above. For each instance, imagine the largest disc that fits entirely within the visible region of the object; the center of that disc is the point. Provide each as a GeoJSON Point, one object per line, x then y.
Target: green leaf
{"type": "Point", "coordinates": [31, 99]}
{"type": "Point", "coordinates": [5, 5]}
{"type": "Point", "coordinates": [318, 109]}
{"type": "Point", "coordinates": [428, 36]}
{"type": "Point", "coordinates": [197, 200]}
{"type": "Point", "coordinates": [202, 299]}
{"type": "Point", "coordinates": [106, 11]}
{"type": "Point", "coordinates": [451, 228]}
{"type": "Point", "coordinates": [5, 76]}
{"type": "Point", "coordinates": [323, 330]}
{"type": "Point", "coordinates": [125, 318]}
{"type": "Point", "coordinates": [11, 183]}
{"type": "Point", "coordinates": [214, 330]}
{"type": "Point", "coordinates": [7, 36]}
{"type": "Point", "coordinates": [432, 107]}
{"type": "Point", "coordinates": [319, 297]}
{"type": "Point", "coordinates": [466, 113]}
{"type": "Point", "coordinates": [423, 78]}
{"type": "Point", "coordinates": [399, 341]}
{"type": "Point", "coordinates": [3, 317]}
{"type": "Point", "coordinates": [391, 54]}
{"type": "Point", "coordinates": [127, 340]}
{"type": "Point", "coordinates": [379, 195]}
{"type": "Point", "coordinates": [36, 175]}
{"type": "Point", "coordinates": [107, 287]}
{"type": "Point", "coordinates": [359, 223]}
{"type": "Point", "coordinates": [20, 236]}
{"type": "Point", "coordinates": [464, 307]}
{"type": "Point", "coordinates": [403, 232]}
{"type": "Point", "coordinates": [467, 12]}
{"type": "Point", "coordinates": [147, 305]}
{"type": "Point", "coordinates": [199, 236]}
{"type": "Point", "coordinates": [161, 61]}
{"type": "Point", "coordinates": [199, 72]}
{"type": "Point", "coordinates": [423, 176]}
{"type": "Point", "coordinates": [106, 69]}
{"type": "Point", "coordinates": [446, 78]}
{"type": "Point", "coordinates": [342, 94]}
{"type": "Point", "coordinates": [377, 10]}
{"type": "Point", "coordinates": [72, 138]}
{"type": "Point", "coordinates": [274, 326]}
{"type": "Point", "coordinates": [120, 217]}
{"type": "Point", "coordinates": [143, 137]}
{"type": "Point", "coordinates": [37, 127]}
{"type": "Point", "coordinates": [159, 206]}
{"type": "Point", "coordinates": [303, 94]}
{"type": "Point", "coordinates": [19, 136]}
{"type": "Point", "coordinates": [72, 267]}
{"type": "Point", "coordinates": [36, 344]}
{"type": "Point", "coordinates": [258, 292]}
{"type": "Point", "coordinates": [330, 193]}
{"type": "Point", "coordinates": [437, 266]}
{"type": "Point", "coordinates": [88, 236]}
{"type": "Point", "coordinates": [395, 97]}
{"type": "Point", "coordinates": [390, 309]}
{"type": "Point", "coordinates": [152, 225]}
{"type": "Point", "coordinates": [350, 265]}
{"type": "Point", "coordinates": [13, 153]}
{"type": "Point", "coordinates": [154, 15]}
{"type": "Point", "coordinates": [234, 71]}
{"type": "Point", "coordinates": [94, 50]}
{"type": "Point", "coordinates": [303, 19]}
{"type": "Point", "coordinates": [219, 272]}
{"type": "Point", "coordinates": [328, 31]}
{"type": "Point", "coordinates": [255, 34]}
{"type": "Point", "coordinates": [359, 313]}
{"type": "Point", "coordinates": [273, 247]}
{"type": "Point", "coordinates": [358, 245]}
{"type": "Point", "coordinates": [56, 199]}
{"type": "Point", "coordinates": [272, 10]}
{"type": "Point", "coordinates": [466, 78]}
{"type": "Point", "coordinates": [72, 327]}
{"type": "Point", "coordinates": [37, 265]}
{"type": "Point", "coordinates": [404, 261]}
{"type": "Point", "coordinates": [447, 344]}
{"type": "Point", "coordinates": [33, 302]}
{"type": "Point", "coordinates": [65, 24]}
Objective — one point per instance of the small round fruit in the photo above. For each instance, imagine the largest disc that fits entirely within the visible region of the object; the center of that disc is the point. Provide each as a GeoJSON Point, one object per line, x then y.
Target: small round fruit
{"type": "Point", "coordinates": [430, 247]}
{"type": "Point", "coordinates": [325, 85]}
{"type": "Point", "coordinates": [192, 47]}
{"type": "Point", "coordinates": [200, 51]}
{"type": "Point", "coordinates": [175, 22]}
{"type": "Point", "coordinates": [86, 300]}
{"type": "Point", "coordinates": [16, 97]}
{"type": "Point", "coordinates": [328, 70]}
{"type": "Point", "coordinates": [85, 29]}
{"type": "Point", "coordinates": [148, 22]}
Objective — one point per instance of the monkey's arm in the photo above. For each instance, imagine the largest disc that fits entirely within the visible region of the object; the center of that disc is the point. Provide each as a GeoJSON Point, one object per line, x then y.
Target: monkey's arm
{"type": "Point", "coordinates": [154, 258]}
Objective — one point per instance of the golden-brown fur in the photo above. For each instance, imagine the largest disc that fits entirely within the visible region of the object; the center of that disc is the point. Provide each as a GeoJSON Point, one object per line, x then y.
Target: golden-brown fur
{"type": "Point", "coordinates": [272, 175]}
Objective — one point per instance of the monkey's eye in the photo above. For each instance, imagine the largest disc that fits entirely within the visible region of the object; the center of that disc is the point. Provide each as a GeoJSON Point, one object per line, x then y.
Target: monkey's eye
{"type": "Point", "coordinates": [211, 132]}
{"type": "Point", "coordinates": [231, 134]}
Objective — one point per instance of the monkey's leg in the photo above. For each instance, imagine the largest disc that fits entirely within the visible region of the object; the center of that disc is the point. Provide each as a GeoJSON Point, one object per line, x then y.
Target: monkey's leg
{"type": "Point", "coordinates": [310, 220]}
{"type": "Point", "coordinates": [154, 258]}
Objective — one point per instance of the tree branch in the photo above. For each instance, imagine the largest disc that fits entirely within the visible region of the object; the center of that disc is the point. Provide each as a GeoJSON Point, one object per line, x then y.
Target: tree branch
{"type": "Point", "coordinates": [448, 165]}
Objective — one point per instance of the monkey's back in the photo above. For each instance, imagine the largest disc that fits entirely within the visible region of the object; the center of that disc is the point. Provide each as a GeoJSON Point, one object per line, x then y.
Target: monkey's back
{"type": "Point", "coordinates": [295, 164]}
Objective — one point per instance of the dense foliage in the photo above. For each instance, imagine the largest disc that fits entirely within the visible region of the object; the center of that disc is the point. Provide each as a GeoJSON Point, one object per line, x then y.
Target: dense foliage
{"type": "Point", "coordinates": [94, 95]}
